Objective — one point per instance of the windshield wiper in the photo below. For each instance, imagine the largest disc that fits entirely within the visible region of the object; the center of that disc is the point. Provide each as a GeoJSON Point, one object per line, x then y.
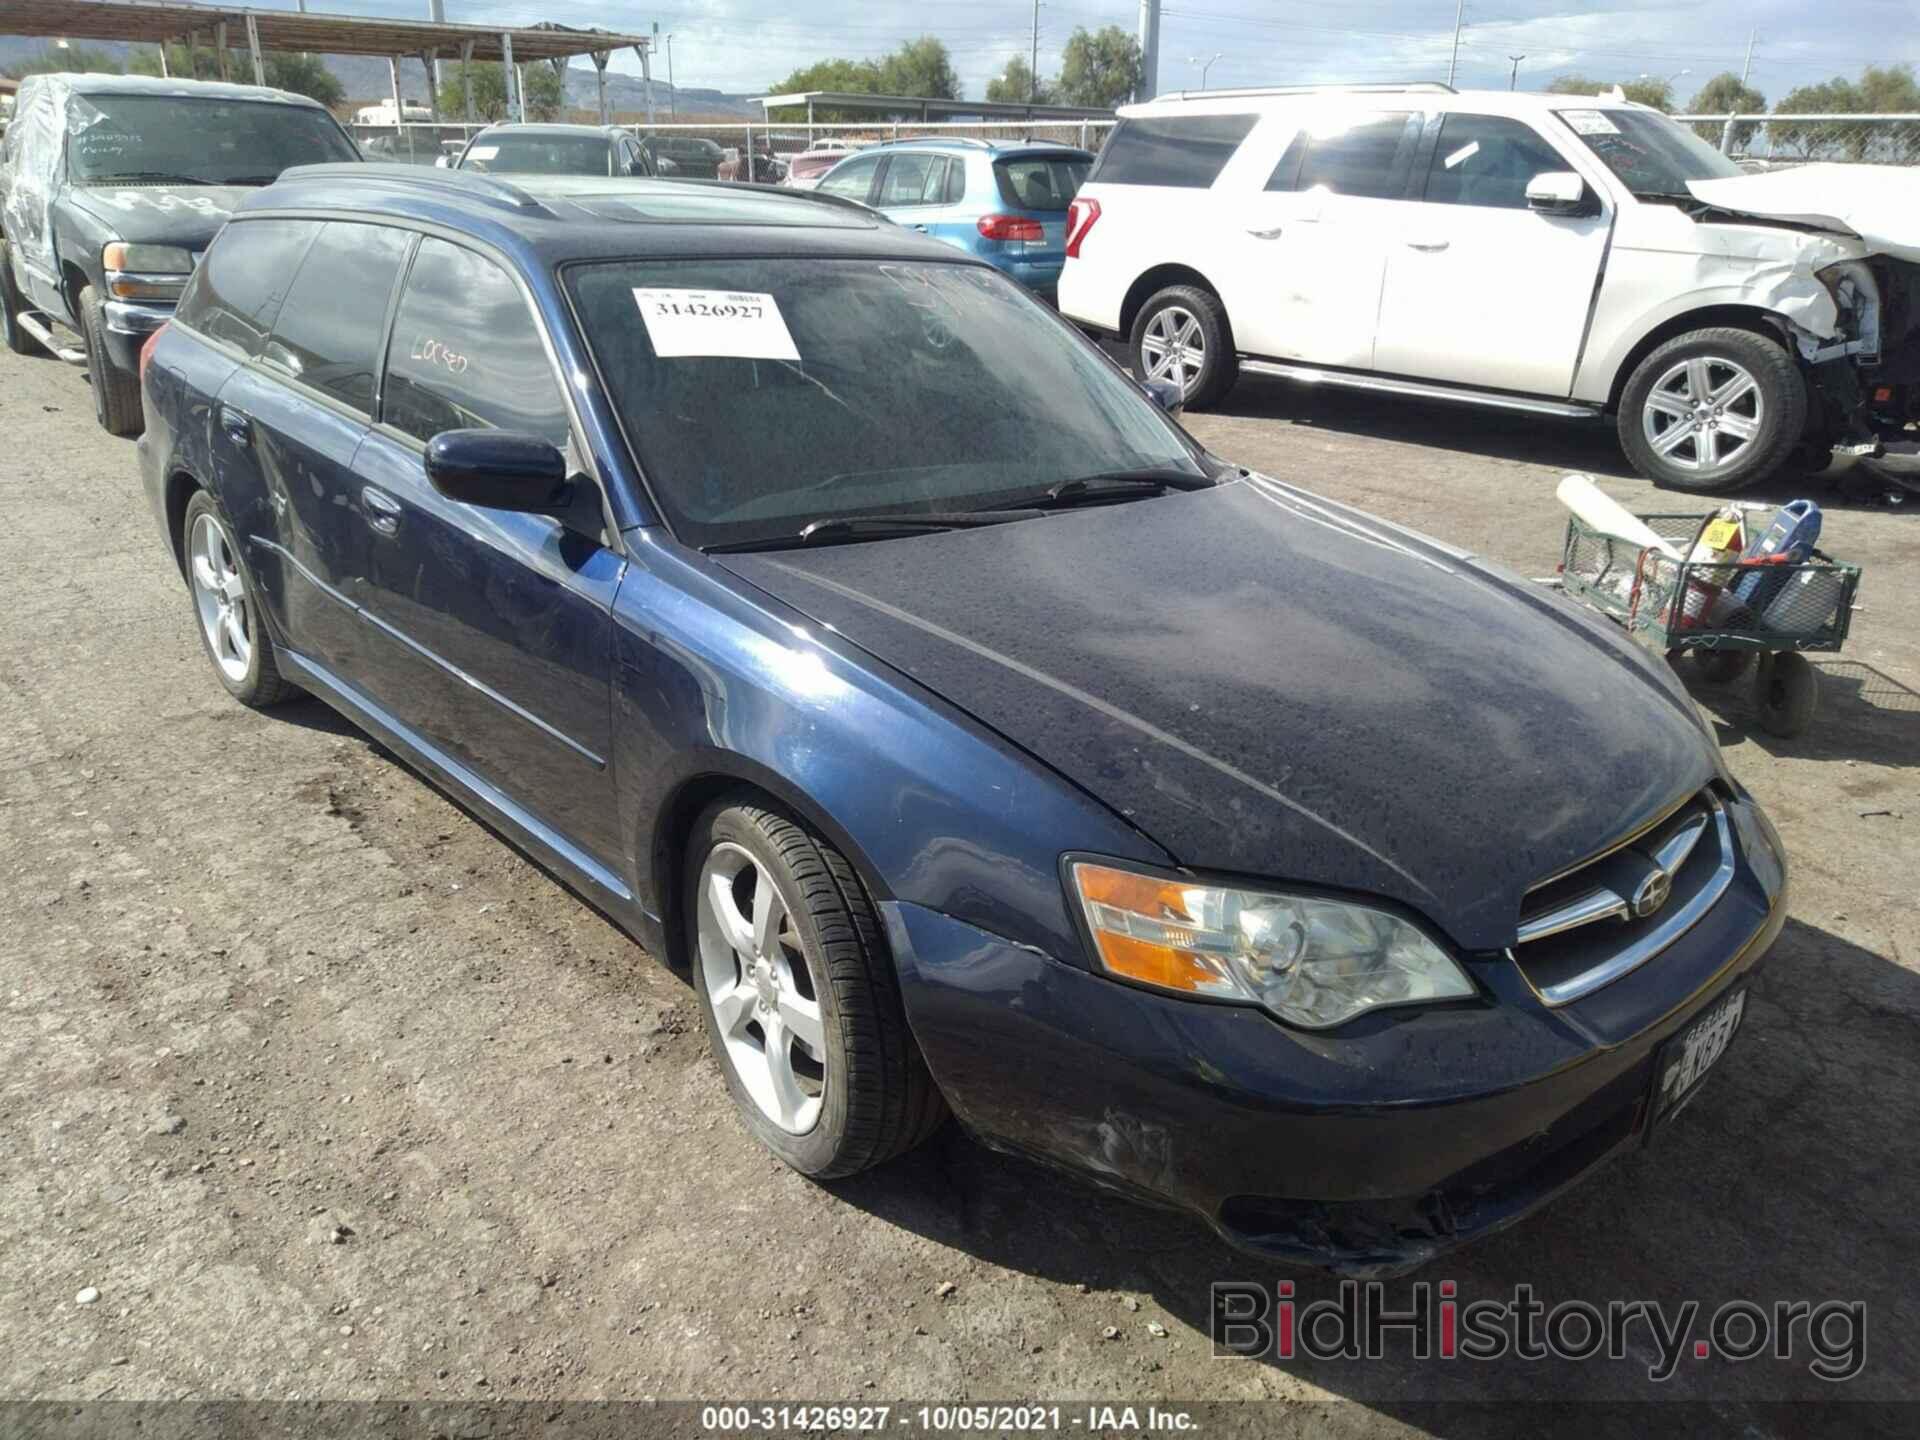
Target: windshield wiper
{"type": "Point", "coordinates": [1115, 483]}
{"type": "Point", "coordinates": [166, 177]}
{"type": "Point", "coordinates": [875, 527]}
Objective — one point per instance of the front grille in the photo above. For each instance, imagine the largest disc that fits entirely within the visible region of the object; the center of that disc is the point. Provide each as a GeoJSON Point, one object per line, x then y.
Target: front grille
{"type": "Point", "coordinates": [1587, 928]}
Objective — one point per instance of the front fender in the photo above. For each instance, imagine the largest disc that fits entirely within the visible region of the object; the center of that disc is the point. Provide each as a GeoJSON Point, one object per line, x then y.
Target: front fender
{"type": "Point", "coordinates": [716, 683]}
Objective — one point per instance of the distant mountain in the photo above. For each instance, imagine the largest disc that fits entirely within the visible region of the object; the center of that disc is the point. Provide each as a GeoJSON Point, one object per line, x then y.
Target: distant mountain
{"type": "Point", "coordinates": [366, 80]}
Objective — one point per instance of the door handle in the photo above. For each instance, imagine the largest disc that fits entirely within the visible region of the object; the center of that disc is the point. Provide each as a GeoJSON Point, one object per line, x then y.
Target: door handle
{"type": "Point", "coordinates": [1273, 234]}
{"type": "Point", "coordinates": [237, 426]}
{"type": "Point", "coordinates": [381, 509]}
{"type": "Point", "coordinates": [1428, 245]}
{"type": "Point", "coordinates": [921, 228]}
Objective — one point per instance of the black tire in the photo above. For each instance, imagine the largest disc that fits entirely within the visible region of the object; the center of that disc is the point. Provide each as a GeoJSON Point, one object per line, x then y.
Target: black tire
{"type": "Point", "coordinates": [1776, 408]}
{"type": "Point", "coordinates": [1720, 667]}
{"type": "Point", "coordinates": [1219, 366]}
{"type": "Point", "coordinates": [18, 341]}
{"type": "Point", "coordinates": [876, 1096]}
{"type": "Point", "coordinates": [1787, 690]}
{"type": "Point", "coordinates": [261, 685]}
{"type": "Point", "coordinates": [116, 392]}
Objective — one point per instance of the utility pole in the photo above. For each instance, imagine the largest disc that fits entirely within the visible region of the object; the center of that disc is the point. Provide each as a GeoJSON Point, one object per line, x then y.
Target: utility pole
{"type": "Point", "coordinates": [436, 12]}
{"type": "Point", "coordinates": [1726, 130]}
{"type": "Point", "coordinates": [1033, 65]}
{"type": "Point", "coordinates": [1149, 49]}
{"type": "Point", "coordinates": [1513, 78]}
{"type": "Point", "coordinates": [673, 93]}
{"type": "Point", "coordinates": [1459, 18]}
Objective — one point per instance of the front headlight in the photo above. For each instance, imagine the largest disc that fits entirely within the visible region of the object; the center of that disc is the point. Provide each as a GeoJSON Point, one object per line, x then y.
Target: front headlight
{"type": "Point", "coordinates": [1311, 961]}
{"type": "Point", "coordinates": [146, 272]}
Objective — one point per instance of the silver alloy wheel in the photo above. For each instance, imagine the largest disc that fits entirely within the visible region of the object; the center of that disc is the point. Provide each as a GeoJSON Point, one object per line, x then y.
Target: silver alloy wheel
{"type": "Point", "coordinates": [1703, 413]}
{"type": "Point", "coordinates": [220, 595]}
{"type": "Point", "coordinates": [762, 989]}
{"type": "Point", "coordinates": [1174, 348]}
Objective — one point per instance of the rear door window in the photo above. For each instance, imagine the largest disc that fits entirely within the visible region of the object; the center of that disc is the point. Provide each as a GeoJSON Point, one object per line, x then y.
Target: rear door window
{"type": "Point", "coordinates": [1487, 160]}
{"type": "Point", "coordinates": [910, 178]}
{"type": "Point", "coordinates": [1041, 182]}
{"type": "Point", "coordinates": [235, 293]}
{"type": "Point", "coordinates": [467, 354]}
{"type": "Point", "coordinates": [329, 331]}
{"type": "Point", "coordinates": [1365, 154]}
{"type": "Point", "coordinates": [1185, 151]}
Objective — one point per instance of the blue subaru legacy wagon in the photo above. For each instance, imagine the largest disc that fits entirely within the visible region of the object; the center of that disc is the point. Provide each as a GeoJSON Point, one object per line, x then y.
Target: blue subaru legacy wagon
{"type": "Point", "coordinates": [836, 618]}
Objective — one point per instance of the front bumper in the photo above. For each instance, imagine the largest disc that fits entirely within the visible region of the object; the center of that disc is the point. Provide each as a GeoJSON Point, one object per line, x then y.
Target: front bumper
{"type": "Point", "coordinates": [129, 323]}
{"type": "Point", "coordinates": [1370, 1149]}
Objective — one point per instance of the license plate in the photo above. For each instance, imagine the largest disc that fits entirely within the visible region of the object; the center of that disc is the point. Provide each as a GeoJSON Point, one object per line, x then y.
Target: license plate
{"type": "Point", "coordinates": [1687, 1058]}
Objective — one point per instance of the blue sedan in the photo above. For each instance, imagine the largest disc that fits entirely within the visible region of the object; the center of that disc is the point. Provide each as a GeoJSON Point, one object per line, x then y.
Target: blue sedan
{"type": "Point", "coordinates": [853, 632]}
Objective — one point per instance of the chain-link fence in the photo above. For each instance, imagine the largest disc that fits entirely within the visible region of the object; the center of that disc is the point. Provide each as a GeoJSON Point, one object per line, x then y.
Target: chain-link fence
{"type": "Point", "coordinates": [715, 152]}
{"type": "Point", "coordinates": [1892, 139]}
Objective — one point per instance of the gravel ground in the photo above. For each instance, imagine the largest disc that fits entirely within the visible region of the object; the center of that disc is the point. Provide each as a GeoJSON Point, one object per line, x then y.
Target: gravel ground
{"type": "Point", "coordinates": [326, 1092]}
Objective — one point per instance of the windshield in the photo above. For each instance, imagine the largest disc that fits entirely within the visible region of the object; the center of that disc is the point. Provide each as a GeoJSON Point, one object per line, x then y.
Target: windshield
{"type": "Point", "coordinates": [539, 155]}
{"type": "Point", "coordinates": [1650, 154]}
{"type": "Point", "coordinates": [195, 141]}
{"type": "Point", "coordinates": [764, 395]}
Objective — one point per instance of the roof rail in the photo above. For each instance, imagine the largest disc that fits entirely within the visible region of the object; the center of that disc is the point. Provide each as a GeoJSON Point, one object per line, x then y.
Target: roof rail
{"type": "Point", "coordinates": [930, 140]}
{"type": "Point", "coordinates": [1254, 91]}
{"type": "Point", "coordinates": [471, 184]}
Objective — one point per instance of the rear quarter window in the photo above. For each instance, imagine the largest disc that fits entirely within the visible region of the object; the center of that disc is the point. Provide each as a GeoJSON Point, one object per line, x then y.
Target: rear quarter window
{"type": "Point", "coordinates": [236, 291]}
{"type": "Point", "coordinates": [1041, 182]}
{"type": "Point", "coordinates": [1183, 151]}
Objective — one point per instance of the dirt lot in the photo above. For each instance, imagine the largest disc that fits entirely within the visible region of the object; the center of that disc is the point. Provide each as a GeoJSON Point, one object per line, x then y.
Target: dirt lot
{"type": "Point", "coordinates": [328, 1093]}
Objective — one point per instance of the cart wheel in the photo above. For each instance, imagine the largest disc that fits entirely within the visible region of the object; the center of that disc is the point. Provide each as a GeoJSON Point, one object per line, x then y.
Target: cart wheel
{"type": "Point", "coordinates": [1787, 688]}
{"type": "Point", "coordinates": [1720, 667]}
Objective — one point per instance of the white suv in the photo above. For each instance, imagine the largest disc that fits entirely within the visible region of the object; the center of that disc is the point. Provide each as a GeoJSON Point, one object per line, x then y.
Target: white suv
{"type": "Point", "coordinates": [1542, 253]}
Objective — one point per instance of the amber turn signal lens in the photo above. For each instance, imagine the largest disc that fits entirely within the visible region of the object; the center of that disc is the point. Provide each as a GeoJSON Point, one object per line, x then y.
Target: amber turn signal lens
{"type": "Point", "coordinates": [1143, 928]}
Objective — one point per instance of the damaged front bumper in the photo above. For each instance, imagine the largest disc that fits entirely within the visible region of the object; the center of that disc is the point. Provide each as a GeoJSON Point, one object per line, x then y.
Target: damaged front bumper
{"type": "Point", "coordinates": [1367, 1150]}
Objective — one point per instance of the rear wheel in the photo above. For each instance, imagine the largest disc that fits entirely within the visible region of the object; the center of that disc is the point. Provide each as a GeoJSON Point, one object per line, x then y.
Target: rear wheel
{"type": "Point", "coordinates": [18, 341]}
{"type": "Point", "coordinates": [1713, 410]}
{"type": "Point", "coordinates": [231, 626]}
{"type": "Point", "coordinates": [1181, 336]}
{"type": "Point", "coordinates": [801, 1000]}
{"type": "Point", "coordinates": [116, 393]}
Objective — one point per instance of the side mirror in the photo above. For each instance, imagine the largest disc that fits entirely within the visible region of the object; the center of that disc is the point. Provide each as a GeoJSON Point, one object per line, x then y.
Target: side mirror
{"type": "Point", "coordinates": [1557, 192]}
{"type": "Point", "coordinates": [1167, 395]}
{"type": "Point", "coordinates": [498, 469]}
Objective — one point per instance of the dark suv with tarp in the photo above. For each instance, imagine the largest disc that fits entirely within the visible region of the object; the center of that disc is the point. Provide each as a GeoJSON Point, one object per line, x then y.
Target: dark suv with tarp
{"type": "Point", "coordinates": [110, 188]}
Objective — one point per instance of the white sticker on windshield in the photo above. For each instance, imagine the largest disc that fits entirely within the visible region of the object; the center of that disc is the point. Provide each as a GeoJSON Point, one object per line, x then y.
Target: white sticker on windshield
{"type": "Point", "coordinates": [735, 324]}
{"type": "Point", "coordinates": [1590, 122]}
{"type": "Point", "coordinates": [1463, 154]}
{"type": "Point", "coordinates": [483, 152]}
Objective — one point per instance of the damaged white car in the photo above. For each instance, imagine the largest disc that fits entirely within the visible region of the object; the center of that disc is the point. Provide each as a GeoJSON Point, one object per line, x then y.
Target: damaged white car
{"type": "Point", "coordinates": [1548, 254]}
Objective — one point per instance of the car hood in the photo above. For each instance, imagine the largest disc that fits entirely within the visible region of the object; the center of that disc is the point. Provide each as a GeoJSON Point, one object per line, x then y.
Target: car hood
{"type": "Point", "coordinates": [1266, 683]}
{"type": "Point", "coordinates": [184, 215]}
{"type": "Point", "coordinates": [1879, 204]}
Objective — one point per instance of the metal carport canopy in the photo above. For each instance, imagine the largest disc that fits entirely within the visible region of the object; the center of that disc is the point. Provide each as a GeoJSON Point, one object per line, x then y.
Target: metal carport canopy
{"type": "Point", "coordinates": [161, 21]}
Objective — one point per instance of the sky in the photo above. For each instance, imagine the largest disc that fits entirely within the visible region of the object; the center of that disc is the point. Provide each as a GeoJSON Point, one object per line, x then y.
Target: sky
{"type": "Point", "coordinates": [743, 46]}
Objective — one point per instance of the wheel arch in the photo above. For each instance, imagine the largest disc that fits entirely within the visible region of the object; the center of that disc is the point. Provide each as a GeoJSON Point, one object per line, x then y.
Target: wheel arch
{"type": "Point", "coordinates": [1740, 317]}
{"type": "Point", "coordinates": [1155, 280]}
{"type": "Point", "coordinates": [73, 281]}
{"type": "Point", "coordinates": [181, 487]}
{"type": "Point", "coordinates": [714, 776]}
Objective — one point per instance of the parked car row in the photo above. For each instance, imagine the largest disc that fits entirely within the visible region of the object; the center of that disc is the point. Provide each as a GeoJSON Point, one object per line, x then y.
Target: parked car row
{"type": "Point", "coordinates": [858, 635]}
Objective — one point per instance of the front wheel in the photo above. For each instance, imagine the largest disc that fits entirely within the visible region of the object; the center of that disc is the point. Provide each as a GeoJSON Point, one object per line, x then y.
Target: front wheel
{"type": "Point", "coordinates": [1713, 411]}
{"type": "Point", "coordinates": [801, 999]}
{"type": "Point", "coordinates": [1181, 336]}
{"type": "Point", "coordinates": [116, 394]}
